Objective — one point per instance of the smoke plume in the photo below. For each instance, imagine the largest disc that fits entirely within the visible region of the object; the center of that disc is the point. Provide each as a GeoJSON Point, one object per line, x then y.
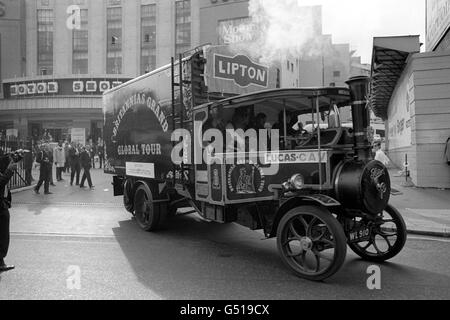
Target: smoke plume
{"type": "Point", "coordinates": [284, 28]}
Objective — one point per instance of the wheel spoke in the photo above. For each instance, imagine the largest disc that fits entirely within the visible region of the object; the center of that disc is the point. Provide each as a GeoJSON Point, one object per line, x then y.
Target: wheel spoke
{"type": "Point", "coordinates": [326, 241]}
{"type": "Point", "coordinates": [310, 227]}
{"type": "Point", "coordinates": [386, 234]}
{"type": "Point", "coordinates": [321, 256]}
{"type": "Point", "coordinates": [292, 255]}
{"type": "Point", "coordinates": [303, 261]}
{"type": "Point", "coordinates": [368, 245]}
{"type": "Point", "coordinates": [294, 232]}
{"type": "Point", "coordinates": [318, 262]}
{"type": "Point", "coordinates": [387, 241]}
{"type": "Point", "coordinates": [288, 241]}
{"type": "Point", "coordinates": [319, 238]}
{"type": "Point", "coordinates": [303, 221]}
{"type": "Point", "coordinates": [374, 243]}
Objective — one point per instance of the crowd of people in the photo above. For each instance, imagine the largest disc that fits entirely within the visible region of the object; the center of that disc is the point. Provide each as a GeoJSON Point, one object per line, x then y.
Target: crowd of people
{"type": "Point", "coordinates": [71, 158]}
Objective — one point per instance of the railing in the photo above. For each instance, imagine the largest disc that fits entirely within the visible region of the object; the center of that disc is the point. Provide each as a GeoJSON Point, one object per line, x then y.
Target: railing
{"type": "Point", "coordinates": [22, 177]}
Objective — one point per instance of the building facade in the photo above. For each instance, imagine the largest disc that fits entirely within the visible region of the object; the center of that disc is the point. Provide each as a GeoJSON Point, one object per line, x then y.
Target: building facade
{"type": "Point", "coordinates": [228, 22]}
{"type": "Point", "coordinates": [437, 25]}
{"type": "Point", "coordinates": [12, 39]}
{"type": "Point", "coordinates": [61, 55]}
{"type": "Point", "coordinates": [411, 92]}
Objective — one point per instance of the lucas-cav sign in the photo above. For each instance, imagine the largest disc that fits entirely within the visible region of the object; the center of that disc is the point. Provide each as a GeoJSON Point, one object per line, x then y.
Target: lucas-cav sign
{"type": "Point", "coordinates": [241, 70]}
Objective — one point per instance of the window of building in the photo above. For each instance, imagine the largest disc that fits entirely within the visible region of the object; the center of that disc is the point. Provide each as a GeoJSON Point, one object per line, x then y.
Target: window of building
{"type": "Point", "coordinates": [45, 29]}
{"type": "Point", "coordinates": [148, 38]}
{"type": "Point", "coordinates": [81, 45]}
{"type": "Point", "coordinates": [183, 26]}
{"type": "Point", "coordinates": [336, 74]}
{"type": "Point", "coordinates": [114, 38]}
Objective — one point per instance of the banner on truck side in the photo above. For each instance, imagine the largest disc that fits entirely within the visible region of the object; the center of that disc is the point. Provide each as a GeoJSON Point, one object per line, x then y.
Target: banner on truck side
{"type": "Point", "coordinates": [142, 170]}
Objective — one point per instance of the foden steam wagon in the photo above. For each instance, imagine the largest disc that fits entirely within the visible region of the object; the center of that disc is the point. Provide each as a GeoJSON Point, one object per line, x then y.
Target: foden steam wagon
{"type": "Point", "coordinates": [317, 190]}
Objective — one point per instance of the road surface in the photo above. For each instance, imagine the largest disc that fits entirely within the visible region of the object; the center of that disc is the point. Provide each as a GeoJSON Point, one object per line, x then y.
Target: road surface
{"type": "Point", "coordinates": [80, 244]}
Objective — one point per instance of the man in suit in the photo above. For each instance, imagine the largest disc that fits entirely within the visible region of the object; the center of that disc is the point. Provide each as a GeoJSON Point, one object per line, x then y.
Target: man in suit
{"type": "Point", "coordinates": [44, 158]}
{"type": "Point", "coordinates": [85, 159]}
{"type": "Point", "coordinates": [7, 168]}
{"type": "Point", "coordinates": [75, 166]}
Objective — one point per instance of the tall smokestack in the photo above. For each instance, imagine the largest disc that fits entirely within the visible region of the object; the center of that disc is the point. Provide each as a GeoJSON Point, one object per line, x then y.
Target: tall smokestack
{"type": "Point", "coordinates": [359, 93]}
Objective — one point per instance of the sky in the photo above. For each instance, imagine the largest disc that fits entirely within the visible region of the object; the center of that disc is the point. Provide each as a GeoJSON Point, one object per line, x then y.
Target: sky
{"type": "Point", "coordinates": [358, 21]}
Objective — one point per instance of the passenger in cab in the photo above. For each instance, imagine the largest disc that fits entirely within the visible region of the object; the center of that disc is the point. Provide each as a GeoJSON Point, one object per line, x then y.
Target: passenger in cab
{"type": "Point", "coordinates": [240, 121]}
{"type": "Point", "coordinates": [260, 121]}
{"type": "Point", "coordinates": [291, 120]}
{"type": "Point", "coordinates": [215, 121]}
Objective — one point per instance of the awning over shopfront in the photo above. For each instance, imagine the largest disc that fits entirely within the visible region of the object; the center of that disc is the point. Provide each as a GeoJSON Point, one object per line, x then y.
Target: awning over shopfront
{"type": "Point", "coordinates": [389, 59]}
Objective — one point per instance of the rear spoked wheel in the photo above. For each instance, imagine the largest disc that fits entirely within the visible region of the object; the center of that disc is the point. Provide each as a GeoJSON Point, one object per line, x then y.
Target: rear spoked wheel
{"type": "Point", "coordinates": [388, 238]}
{"type": "Point", "coordinates": [128, 198]}
{"type": "Point", "coordinates": [312, 243]}
{"type": "Point", "coordinates": [147, 217]}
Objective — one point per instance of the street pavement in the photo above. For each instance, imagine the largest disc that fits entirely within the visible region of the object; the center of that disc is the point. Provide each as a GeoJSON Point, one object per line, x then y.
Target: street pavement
{"type": "Point", "coordinates": [87, 233]}
{"type": "Point", "coordinates": [426, 211]}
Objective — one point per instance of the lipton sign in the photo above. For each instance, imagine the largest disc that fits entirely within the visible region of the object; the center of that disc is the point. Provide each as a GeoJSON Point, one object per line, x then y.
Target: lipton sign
{"type": "Point", "coordinates": [241, 70]}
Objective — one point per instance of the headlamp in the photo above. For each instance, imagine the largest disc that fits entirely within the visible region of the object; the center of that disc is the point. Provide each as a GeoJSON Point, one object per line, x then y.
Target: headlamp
{"type": "Point", "coordinates": [297, 182]}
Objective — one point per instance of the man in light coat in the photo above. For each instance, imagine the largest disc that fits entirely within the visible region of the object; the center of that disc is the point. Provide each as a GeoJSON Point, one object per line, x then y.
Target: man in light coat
{"type": "Point", "coordinates": [59, 156]}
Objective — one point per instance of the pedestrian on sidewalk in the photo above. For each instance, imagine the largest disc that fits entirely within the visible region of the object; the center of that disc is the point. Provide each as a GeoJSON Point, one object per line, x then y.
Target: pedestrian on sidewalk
{"type": "Point", "coordinates": [92, 152]}
{"type": "Point", "coordinates": [75, 165]}
{"type": "Point", "coordinates": [7, 169]}
{"type": "Point", "coordinates": [447, 151]}
{"type": "Point", "coordinates": [380, 155]}
{"type": "Point", "coordinates": [85, 159]}
{"type": "Point", "coordinates": [50, 156]}
{"type": "Point", "coordinates": [28, 167]}
{"type": "Point", "coordinates": [44, 158]}
{"type": "Point", "coordinates": [101, 153]}
{"type": "Point", "coordinates": [60, 161]}
{"type": "Point", "coordinates": [66, 153]}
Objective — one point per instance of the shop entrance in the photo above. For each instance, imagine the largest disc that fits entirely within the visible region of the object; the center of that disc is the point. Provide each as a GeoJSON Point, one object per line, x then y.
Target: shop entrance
{"type": "Point", "coordinates": [57, 131]}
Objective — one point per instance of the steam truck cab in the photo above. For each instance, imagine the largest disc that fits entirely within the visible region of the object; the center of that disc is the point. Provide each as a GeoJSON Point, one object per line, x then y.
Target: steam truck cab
{"type": "Point", "coordinates": [247, 159]}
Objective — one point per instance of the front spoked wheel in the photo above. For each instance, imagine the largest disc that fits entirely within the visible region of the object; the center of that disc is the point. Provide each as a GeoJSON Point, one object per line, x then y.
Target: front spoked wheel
{"type": "Point", "coordinates": [387, 239]}
{"type": "Point", "coordinates": [312, 243]}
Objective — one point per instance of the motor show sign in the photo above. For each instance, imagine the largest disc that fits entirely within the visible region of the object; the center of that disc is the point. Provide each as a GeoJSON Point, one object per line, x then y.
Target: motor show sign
{"type": "Point", "coordinates": [33, 88]}
{"type": "Point", "coordinates": [238, 30]}
{"type": "Point", "coordinates": [60, 87]}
